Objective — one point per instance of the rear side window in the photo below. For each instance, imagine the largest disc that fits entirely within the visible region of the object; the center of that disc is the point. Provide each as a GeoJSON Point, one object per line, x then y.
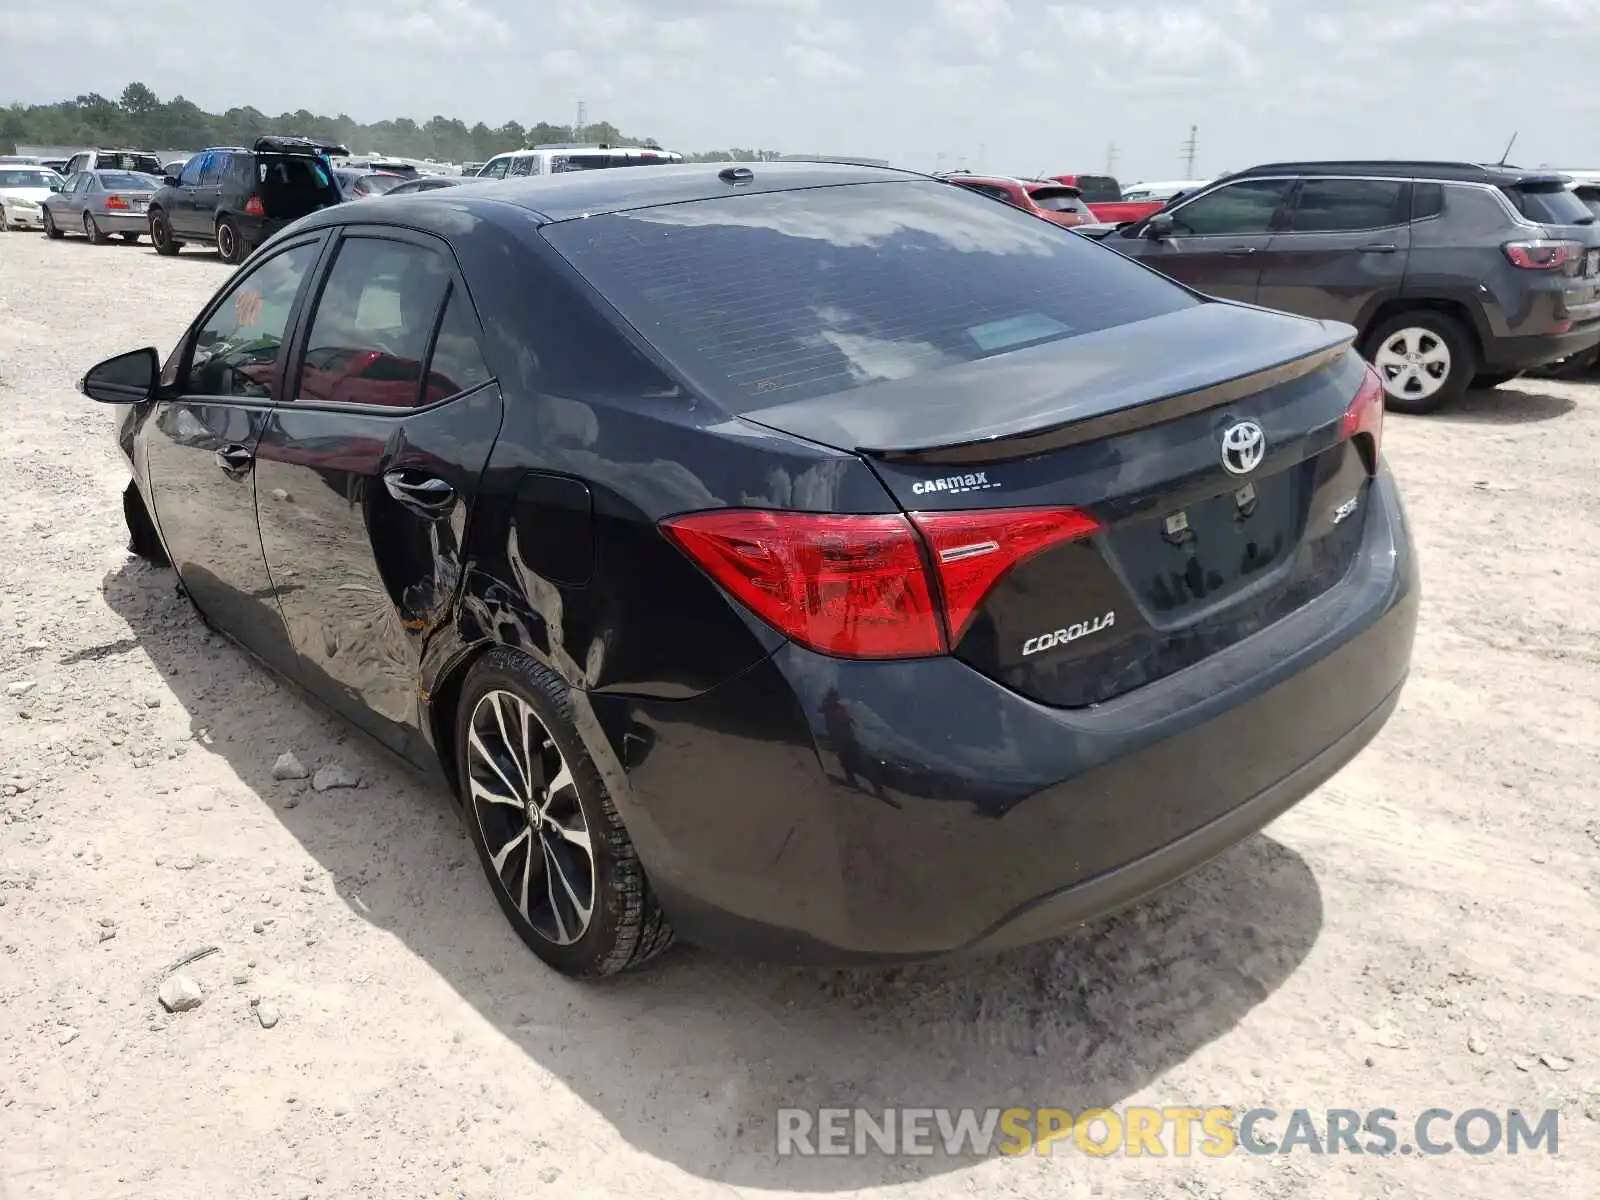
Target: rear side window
{"type": "Point", "coordinates": [369, 334]}
{"type": "Point", "coordinates": [1340, 205]}
{"type": "Point", "coordinates": [1427, 200]}
{"type": "Point", "coordinates": [768, 298]}
{"type": "Point", "coordinates": [1550, 204]}
{"type": "Point", "coordinates": [457, 364]}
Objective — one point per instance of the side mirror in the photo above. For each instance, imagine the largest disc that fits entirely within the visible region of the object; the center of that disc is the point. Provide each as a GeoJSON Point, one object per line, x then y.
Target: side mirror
{"type": "Point", "coordinates": [1159, 227]}
{"type": "Point", "coordinates": [55, 187]}
{"type": "Point", "coordinates": [129, 378]}
{"type": "Point", "coordinates": [170, 180]}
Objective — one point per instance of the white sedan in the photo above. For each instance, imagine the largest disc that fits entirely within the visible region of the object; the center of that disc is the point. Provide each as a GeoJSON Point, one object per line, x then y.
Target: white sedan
{"type": "Point", "coordinates": [22, 194]}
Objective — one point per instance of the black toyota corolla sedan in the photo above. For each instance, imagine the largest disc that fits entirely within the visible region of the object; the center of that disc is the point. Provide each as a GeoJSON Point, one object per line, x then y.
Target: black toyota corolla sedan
{"type": "Point", "coordinates": [819, 561]}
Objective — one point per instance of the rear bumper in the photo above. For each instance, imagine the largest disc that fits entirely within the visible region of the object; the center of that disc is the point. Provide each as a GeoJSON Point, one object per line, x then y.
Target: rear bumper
{"type": "Point", "coordinates": [825, 811]}
{"type": "Point", "coordinates": [130, 222]}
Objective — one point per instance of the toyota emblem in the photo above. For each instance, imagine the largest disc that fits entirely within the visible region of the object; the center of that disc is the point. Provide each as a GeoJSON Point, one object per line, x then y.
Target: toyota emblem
{"type": "Point", "coordinates": [1244, 445]}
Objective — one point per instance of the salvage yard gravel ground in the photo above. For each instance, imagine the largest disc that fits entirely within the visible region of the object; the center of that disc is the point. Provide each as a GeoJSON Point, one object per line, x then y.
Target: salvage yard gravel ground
{"type": "Point", "coordinates": [351, 1017]}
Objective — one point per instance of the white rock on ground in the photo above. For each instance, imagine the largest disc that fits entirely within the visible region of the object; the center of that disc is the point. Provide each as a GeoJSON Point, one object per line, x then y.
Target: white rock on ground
{"type": "Point", "coordinates": [334, 775]}
{"type": "Point", "coordinates": [179, 993]}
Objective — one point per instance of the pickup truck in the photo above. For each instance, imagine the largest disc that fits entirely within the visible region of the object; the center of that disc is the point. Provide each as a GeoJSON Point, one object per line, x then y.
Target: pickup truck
{"type": "Point", "coordinates": [1103, 195]}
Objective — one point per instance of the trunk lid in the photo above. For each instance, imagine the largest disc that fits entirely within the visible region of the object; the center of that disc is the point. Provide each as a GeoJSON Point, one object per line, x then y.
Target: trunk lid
{"type": "Point", "coordinates": [1210, 446]}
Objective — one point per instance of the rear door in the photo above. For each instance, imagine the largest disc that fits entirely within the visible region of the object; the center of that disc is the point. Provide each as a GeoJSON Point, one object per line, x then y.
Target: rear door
{"type": "Point", "coordinates": [1345, 245]}
{"type": "Point", "coordinates": [1218, 239]}
{"type": "Point", "coordinates": [200, 447]}
{"type": "Point", "coordinates": [367, 473]}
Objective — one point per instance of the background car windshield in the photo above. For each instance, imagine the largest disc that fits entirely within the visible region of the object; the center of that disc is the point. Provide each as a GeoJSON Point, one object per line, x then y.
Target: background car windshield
{"type": "Point", "coordinates": [1099, 189]}
{"type": "Point", "coordinates": [767, 298]}
{"type": "Point", "coordinates": [28, 179]}
{"type": "Point", "coordinates": [126, 181]}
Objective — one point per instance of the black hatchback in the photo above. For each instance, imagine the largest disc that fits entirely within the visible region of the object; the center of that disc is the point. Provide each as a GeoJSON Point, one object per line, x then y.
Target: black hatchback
{"type": "Point", "coordinates": [813, 560]}
{"type": "Point", "coordinates": [236, 198]}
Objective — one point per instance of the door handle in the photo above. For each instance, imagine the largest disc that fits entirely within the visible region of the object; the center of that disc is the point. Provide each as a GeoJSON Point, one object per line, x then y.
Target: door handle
{"type": "Point", "coordinates": [1384, 249]}
{"type": "Point", "coordinates": [1240, 252]}
{"type": "Point", "coordinates": [424, 495]}
{"type": "Point", "coordinates": [235, 459]}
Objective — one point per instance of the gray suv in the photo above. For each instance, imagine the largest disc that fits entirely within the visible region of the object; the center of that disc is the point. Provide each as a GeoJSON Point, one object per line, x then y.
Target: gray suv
{"type": "Point", "coordinates": [1453, 273]}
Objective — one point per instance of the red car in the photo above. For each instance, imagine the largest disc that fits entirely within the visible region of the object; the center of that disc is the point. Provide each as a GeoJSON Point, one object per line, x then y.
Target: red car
{"type": "Point", "coordinates": [1045, 198]}
{"type": "Point", "coordinates": [1103, 194]}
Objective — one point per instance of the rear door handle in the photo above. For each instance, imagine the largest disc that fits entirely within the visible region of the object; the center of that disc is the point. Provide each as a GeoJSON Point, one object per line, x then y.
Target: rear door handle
{"type": "Point", "coordinates": [235, 459]}
{"type": "Point", "coordinates": [1240, 251]}
{"type": "Point", "coordinates": [1380, 249]}
{"type": "Point", "coordinates": [424, 495]}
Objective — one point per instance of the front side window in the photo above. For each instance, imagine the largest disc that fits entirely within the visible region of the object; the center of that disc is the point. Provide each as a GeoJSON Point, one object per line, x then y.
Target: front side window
{"type": "Point", "coordinates": [1239, 208]}
{"type": "Point", "coordinates": [236, 351]}
{"type": "Point", "coordinates": [211, 173]}
{"type": "Point", "coordinates": [496, 168]}
{"type": "Point", "coordinates": [192, 170]}
{"type": "Point", "coordinates": [370, 332]}
{"type": "Point", "coordinates": [1343, 205]}
{"type": "Point", "coordinates": [521, 165]}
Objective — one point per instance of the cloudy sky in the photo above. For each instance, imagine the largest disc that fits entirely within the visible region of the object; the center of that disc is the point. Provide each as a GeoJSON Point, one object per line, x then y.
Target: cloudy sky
{"type": "Point", "coordinates": [1001, 85]}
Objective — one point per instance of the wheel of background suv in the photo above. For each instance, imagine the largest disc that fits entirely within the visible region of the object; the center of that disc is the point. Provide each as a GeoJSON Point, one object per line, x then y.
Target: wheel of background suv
{"type": "Point", "coordinates": [92, 231]}
{"type": "Point", "coordinates": [230, 246]}
{"type": "Point", "coordinates": [50, 229]}
{"type": "Point", "coordinates": [161, 235]}
{"type": "Point", "coordinates": [143, 540]}
{"type": "Point", "coordinates": [556, 854]}
{"type": "Point", "coordinates": [5, 221]}
{"type": "Point", "coordinates": [1424, 358]}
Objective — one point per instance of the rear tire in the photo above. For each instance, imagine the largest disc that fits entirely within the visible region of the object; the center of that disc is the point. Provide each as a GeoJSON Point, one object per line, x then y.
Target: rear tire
{"type": "Point", "coordinates": [143, 540]}
{"type": "Point", "coordinates": [161, 235]}
{"type": "Point", "coordinates": [91, 230]}
{"type": "Point", "coordinates": [1493, 379]}
{"type": "Point", "coordinates": [230, 243]}
{"type": "Point", "coordinates": [596, 915]}
{"type": "Point", "coordinates": [1424, 358]}
{"type": "Point", "coordinates": [50, 229]}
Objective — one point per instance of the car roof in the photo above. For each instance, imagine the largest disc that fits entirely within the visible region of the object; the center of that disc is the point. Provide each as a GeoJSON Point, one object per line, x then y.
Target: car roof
{"type": "Point", "coordinates": [1464, 172]}
{"type": "Point", "coordinates": [594, 193]}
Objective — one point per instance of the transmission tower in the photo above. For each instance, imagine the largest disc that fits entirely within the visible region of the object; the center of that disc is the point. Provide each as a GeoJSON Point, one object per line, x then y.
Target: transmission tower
{"type": "Point", "coordinates": [1188, 151]}
{"type": "Point", "coordinates": [583, 122]}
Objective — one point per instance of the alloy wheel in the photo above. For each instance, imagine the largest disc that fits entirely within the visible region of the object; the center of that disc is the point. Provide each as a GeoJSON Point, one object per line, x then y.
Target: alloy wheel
{"type": "Point", "coordinates": [89, 231]}
{"type": "Point", "coordinates": [225, 241]}
{"type": "Point", "coordinates": [1413, 363]}
{"type": "Point", "coordinates": [158, 233]}
{"type": "Point", "coordinates": [525, 801]}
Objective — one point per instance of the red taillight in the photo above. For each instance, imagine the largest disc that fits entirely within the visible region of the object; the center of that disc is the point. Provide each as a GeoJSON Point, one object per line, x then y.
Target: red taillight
{"type": "Point", "coordinates": [116, 204]}
{"type": "Point", "coordinates": [851, 586]}
{"type": "Point", "coordinates": [1364, 417]}
{"type": "Point", "coordinates": [1541, 255]}
{"type": "Point", "coordinates": [858, 586]}
{"type": "Point", "coordinates": [972, 550]}
{"type": "Point", "coordinates": [253, 207]}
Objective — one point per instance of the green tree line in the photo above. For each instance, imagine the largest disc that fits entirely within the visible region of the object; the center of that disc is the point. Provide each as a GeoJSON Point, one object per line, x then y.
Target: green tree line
{"type": "Point", "coordinates": [140, 120]}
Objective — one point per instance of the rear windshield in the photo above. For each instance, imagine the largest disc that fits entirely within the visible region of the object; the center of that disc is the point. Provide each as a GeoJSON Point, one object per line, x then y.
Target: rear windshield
{"type": "Point", "coordinates": [1550, 204]}
{"type": "Point", "coordinates": [123, 180]}
{"type": "Point", "coordinates": [147, 163]}
{"type": "Point", "coordinates": [1099, 189]}
{"type": "Point", "coordinates": [1057, 200]}
{"type": "Point", "coordinates": [767, 298]}
{"type": "Point", "coordinates": [292, 172]}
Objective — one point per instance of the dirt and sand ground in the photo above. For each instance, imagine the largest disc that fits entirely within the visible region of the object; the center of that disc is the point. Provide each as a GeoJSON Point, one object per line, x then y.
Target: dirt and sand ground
{"type": "Point", "coordinates": [1420, 933]}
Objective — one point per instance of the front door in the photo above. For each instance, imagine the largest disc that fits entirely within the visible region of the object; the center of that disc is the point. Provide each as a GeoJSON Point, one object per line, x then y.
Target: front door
{"type": "Point", "coordinates": [200, 449]}
{"type": "Point", "coordinates": [1218, 239]}
{"type": "Point", "coordinates": [186, 203]}
{"type": "Point", "coordinates": [367, 473]}
{"type": "Point", "coordinates": [1346, 243]}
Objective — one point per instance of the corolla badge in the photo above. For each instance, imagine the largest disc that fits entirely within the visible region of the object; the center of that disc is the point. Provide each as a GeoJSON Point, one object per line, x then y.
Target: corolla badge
{"type": "Point", "coordinates": [1244, 445]}
{"type": "Point", "coordinates": [1060, 637]}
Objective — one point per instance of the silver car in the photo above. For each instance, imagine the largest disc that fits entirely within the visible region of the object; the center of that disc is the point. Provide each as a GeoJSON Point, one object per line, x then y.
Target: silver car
{"type": "Point", "coordinates": [100, 203]}
{"type": "Point", "coordinates": [23, 191]}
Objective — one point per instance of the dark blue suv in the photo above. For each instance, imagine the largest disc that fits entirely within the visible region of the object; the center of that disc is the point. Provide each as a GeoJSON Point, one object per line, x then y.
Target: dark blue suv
{"type": "Point", "coordinates": [237, 198]}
